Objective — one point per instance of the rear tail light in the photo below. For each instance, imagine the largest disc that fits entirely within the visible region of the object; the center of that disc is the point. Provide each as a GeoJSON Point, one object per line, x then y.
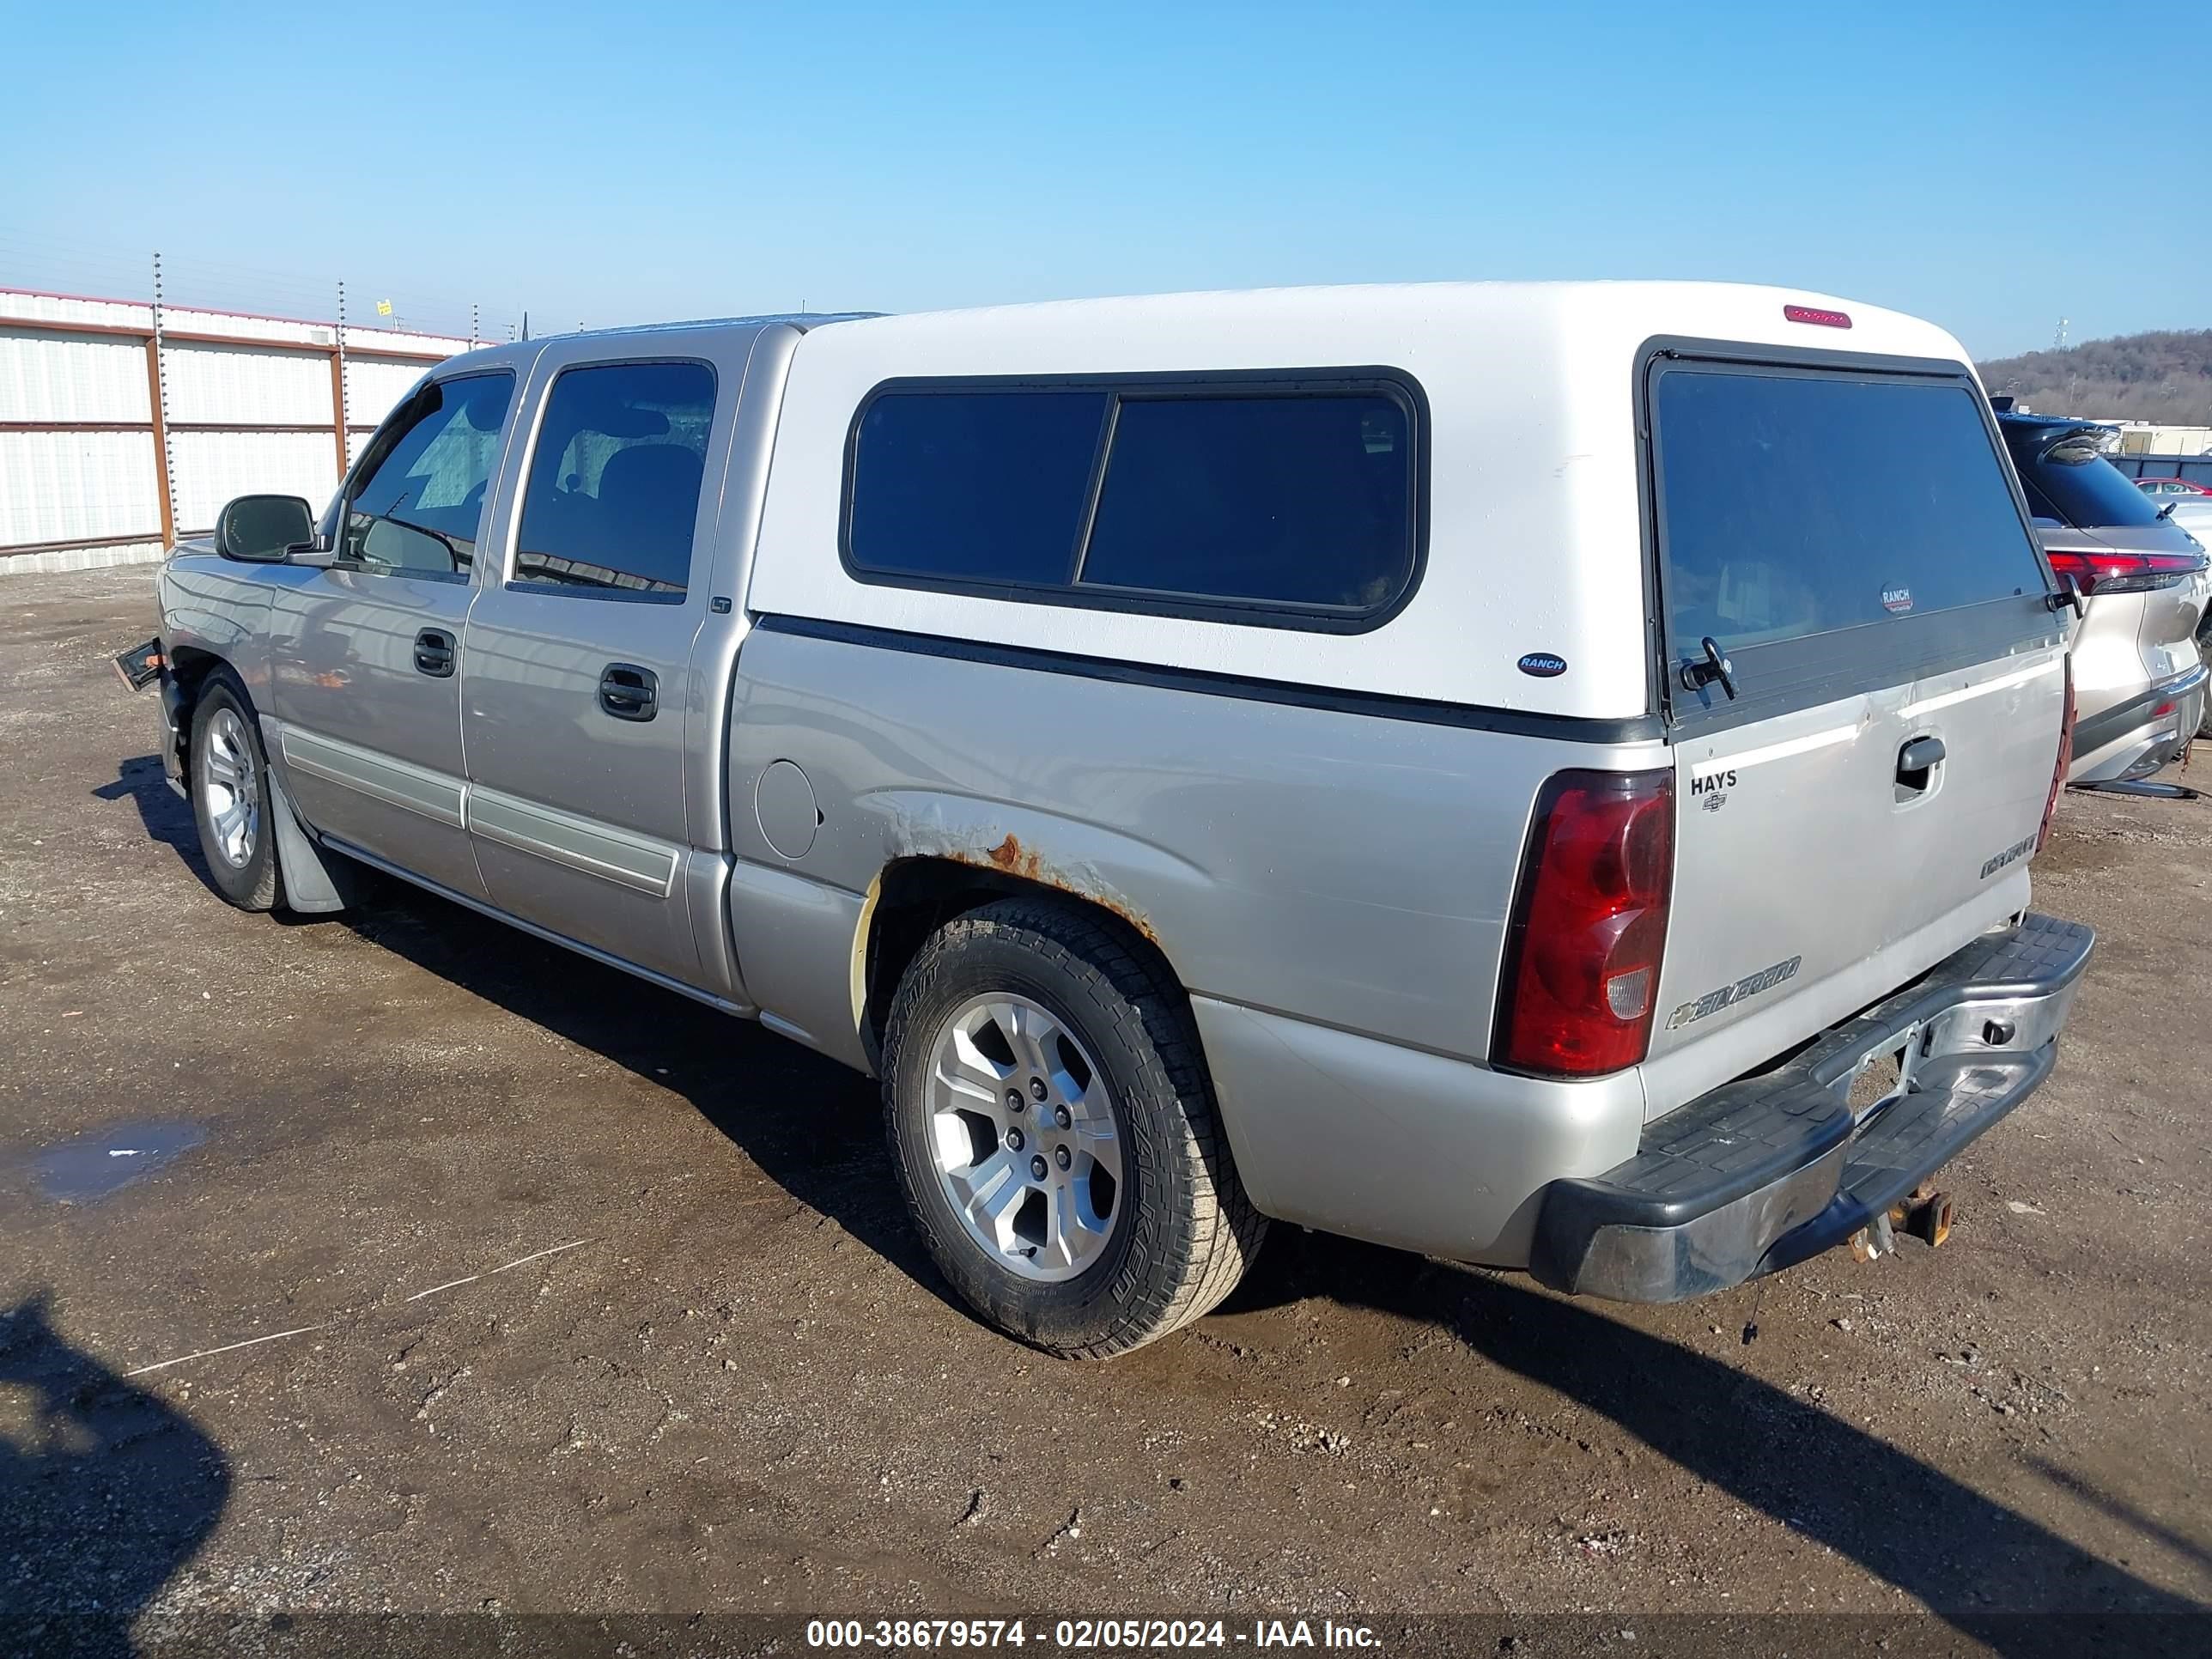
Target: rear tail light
{"type": "Point", "coordinates": [2126, 573]}
{"type": "Point", "coordinates": [2065, 760]}
{"type": "Point", "coordinates": [1589, 923]}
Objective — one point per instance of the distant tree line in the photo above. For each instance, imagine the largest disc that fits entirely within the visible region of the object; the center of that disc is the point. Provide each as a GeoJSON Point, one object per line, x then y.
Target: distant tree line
{"type": "Point", "coordinates": [2164, 376]}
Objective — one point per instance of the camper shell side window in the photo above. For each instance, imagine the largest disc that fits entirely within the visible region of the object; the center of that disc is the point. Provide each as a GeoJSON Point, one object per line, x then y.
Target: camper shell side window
{"type": "Point", "coordinates": [1292, 499]}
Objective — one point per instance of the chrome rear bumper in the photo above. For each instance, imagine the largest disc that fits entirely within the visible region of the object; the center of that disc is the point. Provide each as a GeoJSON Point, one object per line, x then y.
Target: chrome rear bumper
{"type": "Point", "coordinates": [1762, 1173]}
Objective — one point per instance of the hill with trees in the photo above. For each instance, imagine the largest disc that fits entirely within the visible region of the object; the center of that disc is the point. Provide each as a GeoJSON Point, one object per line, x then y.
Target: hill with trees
{"type": "Point", "coordinates": [2161, 376]}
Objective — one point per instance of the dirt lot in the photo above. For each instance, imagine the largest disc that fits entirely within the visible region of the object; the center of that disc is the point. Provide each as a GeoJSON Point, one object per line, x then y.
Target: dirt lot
{"type": "Point", "coordinates": [712, 1375]}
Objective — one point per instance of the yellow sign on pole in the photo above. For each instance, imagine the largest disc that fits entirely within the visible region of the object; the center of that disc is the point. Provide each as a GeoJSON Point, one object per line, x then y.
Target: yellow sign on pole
{"type": "Point", "coordinates": [384, 308]}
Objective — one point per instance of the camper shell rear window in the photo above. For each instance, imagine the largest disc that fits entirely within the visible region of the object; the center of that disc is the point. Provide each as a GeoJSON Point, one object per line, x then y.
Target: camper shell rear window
{"type": "Point", "coordinates": [1831, 517]}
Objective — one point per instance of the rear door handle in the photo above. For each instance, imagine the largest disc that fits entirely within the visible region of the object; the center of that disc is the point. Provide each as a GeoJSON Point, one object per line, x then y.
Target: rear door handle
{"type": "Point", "coordinates": [1916, 760]}
{"type": "Point", "coordinates": [433, 653]}
{"type": "Point", "coordinates": [628, 692]}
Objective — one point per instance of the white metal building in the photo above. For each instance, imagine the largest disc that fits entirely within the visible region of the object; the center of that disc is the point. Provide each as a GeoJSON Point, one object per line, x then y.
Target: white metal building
{"type": "Point", "coordinates": [2157, 438]}
{"type": "Point", "coordinates": [123, 427]}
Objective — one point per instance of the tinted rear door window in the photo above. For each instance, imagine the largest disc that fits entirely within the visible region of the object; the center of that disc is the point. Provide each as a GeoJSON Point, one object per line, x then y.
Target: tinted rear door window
{"type": "Point", "coordinates": [1798, 504]}
{"type": "Point", "coordinates": [613, 495]}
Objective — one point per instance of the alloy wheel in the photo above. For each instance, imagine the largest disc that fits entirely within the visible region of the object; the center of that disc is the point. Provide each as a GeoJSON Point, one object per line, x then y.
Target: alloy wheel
{"type": "Point", "coordinates": [1023, 1137]}
{"type": "Point", "coordinates": [230, 788]}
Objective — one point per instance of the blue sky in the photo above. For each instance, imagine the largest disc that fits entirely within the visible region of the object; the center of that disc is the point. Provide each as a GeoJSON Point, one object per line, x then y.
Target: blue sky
{"type": "Point", "coordinates": [1971, 161]}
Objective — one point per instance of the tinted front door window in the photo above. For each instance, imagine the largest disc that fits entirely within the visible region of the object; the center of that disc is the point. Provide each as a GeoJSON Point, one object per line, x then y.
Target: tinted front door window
{"type": "Point", "coordinates": [419, 500]}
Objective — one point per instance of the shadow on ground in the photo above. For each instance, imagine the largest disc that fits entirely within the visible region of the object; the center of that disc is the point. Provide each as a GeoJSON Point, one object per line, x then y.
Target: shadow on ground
{"type": "Point", "coordinates": [105, 1492]}
{"type": "Point", "coordinates": [831, 1158]}
{"type": "Point", "coordinates": [1968, 1558]}
{"type": "Point", "coordinates": [167, 815]}
{"type": "Point", "coordinates": [1962, 1554]}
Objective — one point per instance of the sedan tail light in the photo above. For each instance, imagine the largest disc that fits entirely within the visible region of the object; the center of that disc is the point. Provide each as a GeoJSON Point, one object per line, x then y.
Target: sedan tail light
{"type": "Point", "coordinates": [1589, 925]}
{"type": "Point", "coordinates": [2126, 573]}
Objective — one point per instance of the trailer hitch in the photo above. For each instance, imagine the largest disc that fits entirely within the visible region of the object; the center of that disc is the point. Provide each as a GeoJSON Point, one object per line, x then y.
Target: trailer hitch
{"type": "Point", "coordinates": [1927, 1215]}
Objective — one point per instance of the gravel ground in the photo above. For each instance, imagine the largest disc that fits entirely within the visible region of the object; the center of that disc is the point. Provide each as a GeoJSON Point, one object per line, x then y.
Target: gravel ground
{"type": "Point", "coordinates": [568, 1296]}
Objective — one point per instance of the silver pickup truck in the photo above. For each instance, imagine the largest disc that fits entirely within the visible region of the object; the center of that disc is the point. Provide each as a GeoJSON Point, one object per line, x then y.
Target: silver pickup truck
{"type": "Point", "coordinates": [1544, 776]}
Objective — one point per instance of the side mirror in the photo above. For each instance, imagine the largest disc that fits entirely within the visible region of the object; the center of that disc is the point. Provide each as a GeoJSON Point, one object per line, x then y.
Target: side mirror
{"type": "Point", "coordinates": [263, 529]}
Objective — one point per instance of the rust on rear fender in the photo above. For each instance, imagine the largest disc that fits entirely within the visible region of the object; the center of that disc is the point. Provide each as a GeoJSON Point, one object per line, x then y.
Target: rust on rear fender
{"type": "Point", "coordinates": [1009, 857]}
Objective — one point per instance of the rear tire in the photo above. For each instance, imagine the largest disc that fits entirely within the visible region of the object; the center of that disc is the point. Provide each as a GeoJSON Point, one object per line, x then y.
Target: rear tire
{"type": "Point", "coordinates": [231, 797]}
{"type": "Point", "coordinates": [1054, 1131]}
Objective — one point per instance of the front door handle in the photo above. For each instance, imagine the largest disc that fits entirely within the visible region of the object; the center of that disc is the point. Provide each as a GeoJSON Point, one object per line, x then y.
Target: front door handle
{"type": "Point", "coordinates": [1916, 760]}
{"type": "Point", "coordinates": [433, 653]}
{"type": "Point", "coordinates": [628, 692]}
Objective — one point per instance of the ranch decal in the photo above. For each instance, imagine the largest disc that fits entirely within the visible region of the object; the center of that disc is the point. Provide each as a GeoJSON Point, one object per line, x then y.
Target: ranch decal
{"type": "Point", "coordinates": [1544, 664]}
{"type": "Point", "coordinates": [1897, 600]}
{"type": "Point", "coordinates": [1749, 985]}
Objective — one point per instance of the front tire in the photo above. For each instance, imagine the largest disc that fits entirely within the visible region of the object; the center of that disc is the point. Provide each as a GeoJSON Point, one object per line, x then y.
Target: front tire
{"type": "Point", "coordinates": [231, 797]}
{"type": "Point", "coordinates": [1054, 1129]}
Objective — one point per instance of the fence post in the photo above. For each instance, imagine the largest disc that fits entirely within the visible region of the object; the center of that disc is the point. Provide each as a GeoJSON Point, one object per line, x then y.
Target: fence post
{"type": "Point", "coordinates": [157, 403]}
{"type": "Point", "coordinates": [338, 386]}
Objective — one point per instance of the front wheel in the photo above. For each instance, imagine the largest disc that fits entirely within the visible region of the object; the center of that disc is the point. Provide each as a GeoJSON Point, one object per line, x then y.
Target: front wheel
{"type": "Point", "coordinates": [1053, 1127]}
{"type": "Point", "coordinates": [230, 796]}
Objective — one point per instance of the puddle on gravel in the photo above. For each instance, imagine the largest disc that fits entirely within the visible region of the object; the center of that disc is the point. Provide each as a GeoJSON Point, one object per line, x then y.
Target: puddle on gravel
{"type": "Point", "coordinates": [90, 1167]}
